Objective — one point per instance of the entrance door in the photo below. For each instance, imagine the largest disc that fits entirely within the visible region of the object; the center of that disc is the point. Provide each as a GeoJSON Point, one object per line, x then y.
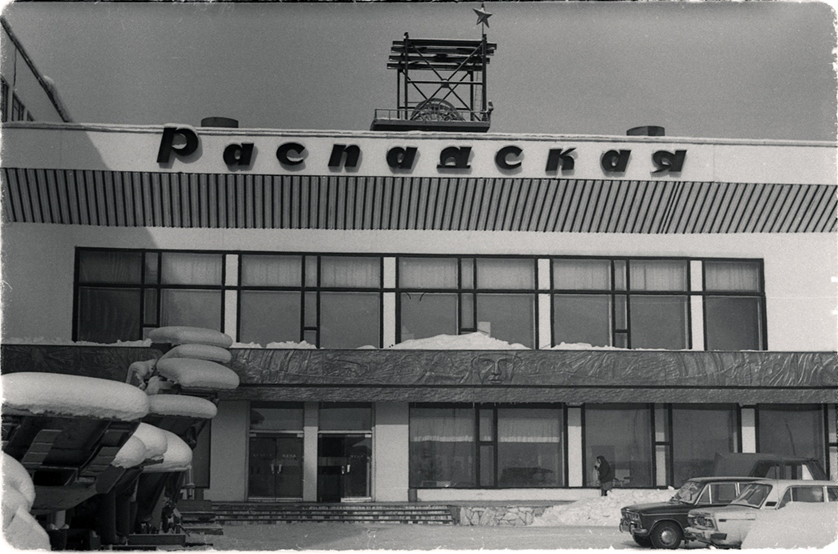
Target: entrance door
{"type": "Point", "coordinates": [343, 467]}
{"type": "Point", "coordinates": [276, 468]}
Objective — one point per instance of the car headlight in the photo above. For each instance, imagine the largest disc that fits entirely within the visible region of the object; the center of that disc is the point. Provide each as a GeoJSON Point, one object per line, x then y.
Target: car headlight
{"type": "Point", "coordinates": [702, 521]}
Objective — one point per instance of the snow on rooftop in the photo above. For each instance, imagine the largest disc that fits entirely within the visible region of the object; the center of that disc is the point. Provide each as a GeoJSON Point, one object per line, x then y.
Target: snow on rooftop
{"type": "Point", "coordinates": [64, 342]}
{"type": "Point", "coordinates": [470, 341]}
{"type": "Point", "coordinates": [74, 395]}
{"type": "Point", "coordinates": [178, 456]}
{"type": "Point", "coordinates": [601, 511]}
{"type": "Point", "coordinates": [288, 345]}
{"type": "Point", "coordinates": [181, 405]}
{"type": "Point", "coordinates": [198, 374]}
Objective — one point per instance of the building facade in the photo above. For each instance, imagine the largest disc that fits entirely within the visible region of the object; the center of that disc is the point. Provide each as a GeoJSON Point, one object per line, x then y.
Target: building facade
{"type": "Point", "coordinates": [441, 316]}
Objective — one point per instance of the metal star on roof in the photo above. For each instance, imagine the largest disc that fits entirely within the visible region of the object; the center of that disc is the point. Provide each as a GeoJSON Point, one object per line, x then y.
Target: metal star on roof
{"type": "Point", "coordinates": [482, 15]}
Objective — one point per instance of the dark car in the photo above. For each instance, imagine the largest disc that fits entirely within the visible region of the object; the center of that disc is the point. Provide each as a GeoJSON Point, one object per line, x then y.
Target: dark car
{"type": "Point", "coordinates": [662, 524]}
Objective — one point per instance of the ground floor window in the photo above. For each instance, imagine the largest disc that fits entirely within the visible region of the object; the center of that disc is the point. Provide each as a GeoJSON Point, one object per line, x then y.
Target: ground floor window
{"type": "Point", "coordinates": [622, 433]}
{"type": "Point", "coordinates": [486, 447]}
{"type": "Point", "coordinates": [698, 433]}
{"type": "Point", "coordinates": [792, 430]}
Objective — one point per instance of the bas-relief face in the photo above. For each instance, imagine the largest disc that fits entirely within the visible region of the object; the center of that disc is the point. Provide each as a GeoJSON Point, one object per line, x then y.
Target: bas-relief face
{"type": "Point", "coordinates": [495, 369]}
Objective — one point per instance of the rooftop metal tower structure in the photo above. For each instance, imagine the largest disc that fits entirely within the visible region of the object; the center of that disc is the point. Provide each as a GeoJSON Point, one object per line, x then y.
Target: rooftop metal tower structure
{"type": "Point", "coordinates": [441, 85]}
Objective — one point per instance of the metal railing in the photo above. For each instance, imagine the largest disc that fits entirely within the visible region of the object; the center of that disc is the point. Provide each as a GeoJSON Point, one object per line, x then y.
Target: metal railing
{"type": "Point", "coordinates": [410, 114]}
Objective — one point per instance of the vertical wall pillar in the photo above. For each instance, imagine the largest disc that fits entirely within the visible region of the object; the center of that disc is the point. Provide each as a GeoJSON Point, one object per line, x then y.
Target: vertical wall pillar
{"type": "Point", "coordinates": [231, 279]}
{"type": "Point", "coordinates": [749, 428]}
{"type": "Point", "coordinates": [228, 451]}
{"type": "Point", "coordinates": [832, 441]}
{"type": "Point", "coordinates": [545, 322]}
{"type": "Point", "coordinates": [311, 427]}
{"type": "Point", "coordinates": [575, 454]}
{"type": "Point", "coordinates": [663, 445]}
{"type": "Point", "coordinates": [697, 305]}
{"type": "Point", "coordinates": [391, 452]}
{"type": "Point", "coordinates": [388, 315]}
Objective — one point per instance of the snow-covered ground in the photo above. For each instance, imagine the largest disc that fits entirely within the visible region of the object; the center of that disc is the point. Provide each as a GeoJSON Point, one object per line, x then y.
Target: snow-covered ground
{"type": "Point", "coordinates": [600, 511]}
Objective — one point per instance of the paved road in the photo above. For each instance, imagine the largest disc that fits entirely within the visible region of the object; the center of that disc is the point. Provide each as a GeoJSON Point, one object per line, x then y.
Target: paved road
{"type": "Point", "coordinates": [349, 536]}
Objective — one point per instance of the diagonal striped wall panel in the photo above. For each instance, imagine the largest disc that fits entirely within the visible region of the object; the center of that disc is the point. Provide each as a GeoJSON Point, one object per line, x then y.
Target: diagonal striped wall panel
{"type": "Point", "coordinates": [134, 199]}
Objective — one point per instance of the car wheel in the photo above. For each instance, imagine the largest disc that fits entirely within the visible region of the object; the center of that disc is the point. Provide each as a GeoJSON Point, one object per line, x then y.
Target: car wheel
{"type": "Point", "coordinates": [666, 535]}
{"type": "Point", "coordinates": [642, 541]}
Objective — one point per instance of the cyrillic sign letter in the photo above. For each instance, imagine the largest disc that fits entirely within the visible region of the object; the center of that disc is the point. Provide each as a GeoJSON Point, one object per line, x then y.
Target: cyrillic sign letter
{"type": "Point", "coordinates": [669, 161]}
{"type": "Point", "coordinates": [615, 161]}
{"type": "Point", "coordinates": [558, 157]}
{"type": "Point", "coordinates": [454, 157]}
{"type": "Point", "coordinates": [238, 154]}
{"type": "Point", "coordinates": [352, 154]}
{"type": "Point", "coordinates": [284, 149]}
{"type": "Point", "coordinates": [401, 158]}
{"type": "Point", "coordinates": [504, 153]}
{"type": "Point", "coordinates": [167, 143]}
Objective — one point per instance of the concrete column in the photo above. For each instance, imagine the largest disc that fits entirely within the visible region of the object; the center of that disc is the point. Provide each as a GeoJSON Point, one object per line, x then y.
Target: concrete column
{"type": "Point", "coordinates": [575, 455]}
{"type": "Point", "coordinates": [832, 441]}
{"type": "Point", "coordinates": [310, 429]}
{"type": "Point", "coordinates": [228, 451]}
{"type": "Point", "coordinates": [545, 328]}
{"type": "Point", "coordinates": [391, 443]}
{"type": "Point", "coordinates": [662, 441]}
{"type": "Point", "coordinates": [231, 279]}
{"type": "Point", "coordinates": [388, 313]}
{"type": "Point", "coordinates": [697, 305]}
{"type": "Point", "coordinates": [749, 429]}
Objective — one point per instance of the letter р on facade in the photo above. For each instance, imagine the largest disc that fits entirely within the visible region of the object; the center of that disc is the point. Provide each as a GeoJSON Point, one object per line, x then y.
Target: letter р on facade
{"type": "Point", "coordinates": [654, 300]}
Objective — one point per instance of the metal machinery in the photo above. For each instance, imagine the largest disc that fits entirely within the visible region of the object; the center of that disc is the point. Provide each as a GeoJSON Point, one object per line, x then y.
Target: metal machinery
{"type": "Point", "coordinates": [441, 86]}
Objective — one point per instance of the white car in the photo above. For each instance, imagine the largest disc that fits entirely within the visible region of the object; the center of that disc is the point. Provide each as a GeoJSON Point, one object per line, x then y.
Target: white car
{"type": "Point", "coordinates": [728, 526]}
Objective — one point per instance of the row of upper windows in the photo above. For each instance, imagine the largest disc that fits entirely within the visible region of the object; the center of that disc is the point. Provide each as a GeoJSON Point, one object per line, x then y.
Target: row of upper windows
{"type": "Point", "coordinates": [336, 301]}
{"type": "Point", "coordinates": [18, 111]}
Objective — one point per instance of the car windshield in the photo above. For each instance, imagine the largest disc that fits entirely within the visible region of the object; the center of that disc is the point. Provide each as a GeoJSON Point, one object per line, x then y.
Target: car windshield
{"type": "Point", "coordinates": [688, 493]}
{"type": "Point", "coordinates": [753, 495]}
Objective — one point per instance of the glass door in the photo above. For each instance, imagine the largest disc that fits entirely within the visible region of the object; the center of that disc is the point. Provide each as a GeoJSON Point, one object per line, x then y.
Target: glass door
{"type": "Point", "coordinates": [276, 467]}
{"type": "Point", "coordinates": [343, 468]}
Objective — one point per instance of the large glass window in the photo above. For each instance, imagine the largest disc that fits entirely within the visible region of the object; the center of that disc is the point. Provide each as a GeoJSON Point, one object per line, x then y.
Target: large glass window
{"type": "Point", "coordinates": [456, 296]}
{"type": "Point", "coordinates": [510, 447]}
{"type": "Point", "coordinates": [622, 433]}
{"type": "Point", "coordinates": [699, 432]}
{"type": "Point", "coordinates": [733, 305]}
{"type": "Point", "coordinates": [442, 447]}
{"type": "Point", "coordinates": [792, 430]}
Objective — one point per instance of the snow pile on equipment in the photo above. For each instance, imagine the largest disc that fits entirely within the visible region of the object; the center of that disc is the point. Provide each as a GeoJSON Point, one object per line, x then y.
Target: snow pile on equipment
{"type": "Point", "coordinates": [599, 511]}
{"type": "Point", "coordinates": [182, 406]}
{"type": "Point", "coordinates": [199, 352]}
{"type": "Point", "coordinates": [72, 395]}
{"type": "Point", "coordinates": [147, 443]}
{"type": "Point", "coordinates": [20, 529]}
{"type": "Point", "coordinates": [132, 454]}
{"type": "Point", "coordinates": [177, 458]}
{"type": "Point", "coordinates": [470, 341]}
{"type": "Point", "coordinates": [190, 335]}
{"type": "Point", "coordinates": [190, 373]}
{"type": "Point", "coordinates": [798, 525]}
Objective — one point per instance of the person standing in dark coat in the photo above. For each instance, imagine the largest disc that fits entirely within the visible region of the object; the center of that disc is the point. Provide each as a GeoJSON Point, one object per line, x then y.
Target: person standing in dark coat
{"type": "Point", "coordinates": [606, 475]}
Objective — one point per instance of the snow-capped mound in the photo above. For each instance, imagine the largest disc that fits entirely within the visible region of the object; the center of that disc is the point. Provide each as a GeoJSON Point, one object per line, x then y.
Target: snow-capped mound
{"type": "Point", "coordinates": [470, 341]}
{"type": "Point", "coordinates": [132, 453]}
{"type": "Point", "coordinates": [181, 405]}
{"type": "Point", "coordinates": [74, 395]}
{"type": "Point", "coordinates": [198, 374]}
{"type": "Point", "coordinates": [199, 352]}
{"type": "Point", "coordinates": [600, 511]}
{"type": "Point", "coordinates": [178, 456]}
{"type": "Point", "coordinates": [153, 438]}
{"type": "Point", "coordinates": [190, 335]}
{"type": "Point", "coordinates": [16, 477]}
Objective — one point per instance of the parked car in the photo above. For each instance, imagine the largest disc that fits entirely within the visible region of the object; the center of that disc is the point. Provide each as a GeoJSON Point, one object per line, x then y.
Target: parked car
{"type": "Point", "coordinates": [662, 524]}
{"type": "Point", "coordinates": [768, 466]}
{"type": "Point", "coordinates": [728, 526]}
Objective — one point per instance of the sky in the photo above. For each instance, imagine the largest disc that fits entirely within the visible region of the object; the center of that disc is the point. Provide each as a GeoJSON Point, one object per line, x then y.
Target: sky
{"type": "Point", "coordinates": [750, 70]}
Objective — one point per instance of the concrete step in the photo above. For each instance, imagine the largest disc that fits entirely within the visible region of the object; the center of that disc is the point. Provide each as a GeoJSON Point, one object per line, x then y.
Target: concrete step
{"type": "Point", "coordinates": [231, 513]}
